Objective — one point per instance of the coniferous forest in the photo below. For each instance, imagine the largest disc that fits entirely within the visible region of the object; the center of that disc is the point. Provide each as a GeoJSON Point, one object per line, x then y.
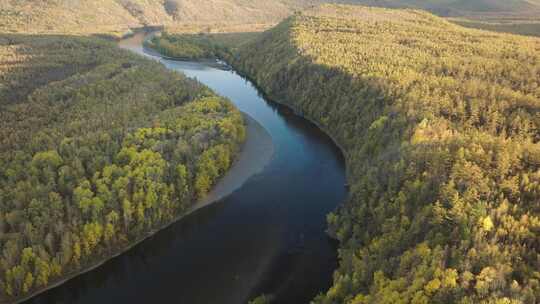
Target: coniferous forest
{"type": "Point", "coordinates": [440, 127]}
{"type": "Point", "coordinates": [98, 148]}
{"type": "Point", "coordinates": [189, 47]}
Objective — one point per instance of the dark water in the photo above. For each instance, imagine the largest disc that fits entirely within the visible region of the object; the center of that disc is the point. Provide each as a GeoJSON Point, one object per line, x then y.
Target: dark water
{"type": "Point", "coordinates": [267, 237]}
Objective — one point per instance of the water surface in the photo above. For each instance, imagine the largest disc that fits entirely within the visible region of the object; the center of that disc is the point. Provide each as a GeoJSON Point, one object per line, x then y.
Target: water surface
{"type": "Point", "coordinates": [268, 236]}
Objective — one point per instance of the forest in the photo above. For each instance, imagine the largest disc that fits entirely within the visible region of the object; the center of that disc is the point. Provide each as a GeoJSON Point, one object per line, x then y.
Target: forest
{"type": "Point", "coordinates": [98, 148]}
{"type": "Point", "coordinates": [186, 47]}
{"type": "Point", "coordinates": [200, 46]}
{"type": "Point", "coordinates": [440, 126]}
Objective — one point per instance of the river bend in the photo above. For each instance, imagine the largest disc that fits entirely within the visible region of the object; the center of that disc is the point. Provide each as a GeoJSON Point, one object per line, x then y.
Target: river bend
{"type": "Point", "coordinates": [267, 236]}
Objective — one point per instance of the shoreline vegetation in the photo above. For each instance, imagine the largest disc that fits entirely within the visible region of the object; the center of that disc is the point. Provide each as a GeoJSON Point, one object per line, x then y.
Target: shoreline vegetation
{"type": "Point", "coordinates": [256, 137]}
{"type": "Point", "coordinates": [135, 145]}
{"type": "Point", "coordinates": [441, 140]}
{"type": "Point", "coordinates": [198, 46]}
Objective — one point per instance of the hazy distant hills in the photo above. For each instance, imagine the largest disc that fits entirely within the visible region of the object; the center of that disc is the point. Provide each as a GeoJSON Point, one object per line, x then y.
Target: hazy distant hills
{"type": "Point", "coordinates": [234, 11]}
{"type": "Point", "coordinates": [459, 7]}
{"type": "Point", "coordinates": [109, 16]}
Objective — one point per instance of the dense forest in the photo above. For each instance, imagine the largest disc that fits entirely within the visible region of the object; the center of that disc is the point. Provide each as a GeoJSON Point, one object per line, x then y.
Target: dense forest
{"type": "Point", "coordinates": [439, 124]}
{"type": "Point", "coordinates": [186, 46]}
{"type": "Point", "coordinates": [98, 148]}
{"type": "Point", "coordinates": [200, 46]}
{"type": "Point", "coordinates": [441, 127]}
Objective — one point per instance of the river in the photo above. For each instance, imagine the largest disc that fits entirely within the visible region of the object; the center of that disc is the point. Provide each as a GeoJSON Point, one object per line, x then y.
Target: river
{"type": "Point", "coordinates": [267, 236]}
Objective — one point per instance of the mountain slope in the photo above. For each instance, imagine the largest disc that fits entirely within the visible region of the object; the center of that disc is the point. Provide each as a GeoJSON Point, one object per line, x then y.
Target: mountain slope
{"type": "Point", "coordinates": [457, 7]}
{"type": "Point", "coordinates": [117, 16]}
{"type": "Point", "coordinates": [106, 16]}
{"type": "Point", "coordinates": [63, 16]}
{"type": "Point", "coordinates": [235, 11]}
{"type": "Point", "coordinates": [441, 130]}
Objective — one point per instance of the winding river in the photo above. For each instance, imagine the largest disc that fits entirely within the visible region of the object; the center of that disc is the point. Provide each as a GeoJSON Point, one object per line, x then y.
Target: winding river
{"type": "Point", "coordinates": [261, 231]}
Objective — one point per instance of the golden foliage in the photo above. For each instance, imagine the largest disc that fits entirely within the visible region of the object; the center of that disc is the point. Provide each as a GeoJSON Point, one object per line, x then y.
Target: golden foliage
{"type": "Point", "coordinates": [441, 129]}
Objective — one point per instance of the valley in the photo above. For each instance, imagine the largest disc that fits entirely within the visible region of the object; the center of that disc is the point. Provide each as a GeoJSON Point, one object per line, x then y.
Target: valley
{"type": "Point", "coordinates": [116, 18]}
{"type": "Point", "coordinates": [198, 159]}
{"type": "Point", "coordinates": [440, 127]}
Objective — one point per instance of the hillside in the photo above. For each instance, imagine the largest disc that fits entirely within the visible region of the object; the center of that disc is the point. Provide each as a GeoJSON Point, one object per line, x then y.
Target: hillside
{"type": "Point", "coordinates": [513, 24]}
{"type": "Point", "coordinates": [63, 16]}
{"type": "Point", "coordinates": [98, 149]}
{"type": "Point", "coordinates": [117, 16]}
{"type": "Point", "coordinates": [441, 127]}
{"type": "Point", "coordinates": [510, 16]}
{"type": "Point", "coordinates": [457, 7]}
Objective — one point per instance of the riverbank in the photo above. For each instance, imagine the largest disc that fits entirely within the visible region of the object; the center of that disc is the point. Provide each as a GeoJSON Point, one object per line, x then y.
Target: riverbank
{"type": "Point", "coordinates": [255, 154]}
{"type": "Point", "coordinates": [229, 63]}
{"type": "Point", "coordinates": [291, 107]}
{"type": "Point", "coordinates": [266, 237]}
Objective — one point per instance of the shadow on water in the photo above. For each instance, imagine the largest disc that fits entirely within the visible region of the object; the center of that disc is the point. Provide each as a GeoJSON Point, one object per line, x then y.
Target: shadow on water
{"type": "Point", "coordinates": [266, 237]}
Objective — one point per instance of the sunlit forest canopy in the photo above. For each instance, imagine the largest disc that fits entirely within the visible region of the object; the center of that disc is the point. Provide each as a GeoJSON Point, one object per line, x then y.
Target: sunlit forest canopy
{"type": "Point", "coordinates": [441, 127]}
{"type": "Point", "coordinates": [98, 147]}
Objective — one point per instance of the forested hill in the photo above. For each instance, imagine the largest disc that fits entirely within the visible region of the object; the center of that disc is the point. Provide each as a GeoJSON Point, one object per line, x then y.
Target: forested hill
{"type": "Point", "coordinates": [117, 16]}
{"type": "Point", "coordinates": [98, 148]}
{"type": "Point", "coordinates": [441, 129]}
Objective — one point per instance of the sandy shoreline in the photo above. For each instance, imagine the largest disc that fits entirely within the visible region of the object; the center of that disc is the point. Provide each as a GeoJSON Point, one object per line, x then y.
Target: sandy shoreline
{"type": "Point", "coordinates": [256, 153]}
